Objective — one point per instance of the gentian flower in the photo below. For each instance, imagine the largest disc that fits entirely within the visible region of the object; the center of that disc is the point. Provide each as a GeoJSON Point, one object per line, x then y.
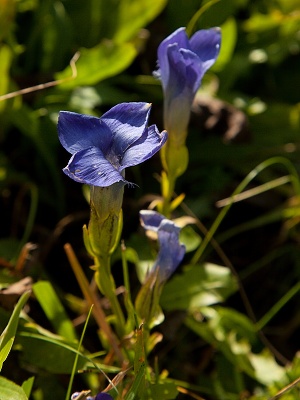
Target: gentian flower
{"type": "Point", "coordinates": [99, 396]}
{"type": "Point", "coordinates": [182, 63]}
{"type": "Point", "coordinates": [103, 396]}
{"type": "Point", "coordinates": [103, 147]}
{"type": "Point", "coordinates": [171, 252]}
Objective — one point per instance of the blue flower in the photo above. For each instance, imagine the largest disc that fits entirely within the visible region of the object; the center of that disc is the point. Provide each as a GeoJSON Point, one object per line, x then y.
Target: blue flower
{"type": "Point", "coordinates": [103, 396]}
{"type": "Point", "coordinates": [99, 396]}
{"type": "Point", "coordinates": [103, 147]}
{"type": "Point", "coordinates": [182, 63]}
{"type": "Point", "coordinates": [171, 252]}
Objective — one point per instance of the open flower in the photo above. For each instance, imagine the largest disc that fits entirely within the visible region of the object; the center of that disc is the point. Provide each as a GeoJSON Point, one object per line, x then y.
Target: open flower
{"type": "Point", "coordinates": [103, 147]}
{"type": "Point", "coordinates": [171, 252]}
{"type": "Point", "coordinates": [182, 63]}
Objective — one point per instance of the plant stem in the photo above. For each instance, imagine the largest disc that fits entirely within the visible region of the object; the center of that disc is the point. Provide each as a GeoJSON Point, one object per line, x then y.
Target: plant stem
{"type": "Point", "coordinates": [106, 285]}
{"type": "Point", "coordinates": [277, 307]}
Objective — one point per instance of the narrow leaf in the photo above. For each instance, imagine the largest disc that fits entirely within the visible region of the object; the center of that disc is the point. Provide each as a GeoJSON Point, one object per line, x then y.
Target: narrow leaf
{"type": "Point", "coordinates": [100, 62]}
{"type": "Point", "coordinates": [8, 335]}
{"type": "Point", "coordinates": [54, 309]}
{"type": "Point", "coordinates": [10, 391]}
{"type": "Point", "coordinates": [135, 15]}
{"type": "Point", "coordinates": [27, 385]}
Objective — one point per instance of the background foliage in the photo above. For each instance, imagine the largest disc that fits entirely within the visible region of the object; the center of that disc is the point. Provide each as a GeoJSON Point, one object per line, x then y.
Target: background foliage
{"type": "Point", "coordinates": [247, 112]}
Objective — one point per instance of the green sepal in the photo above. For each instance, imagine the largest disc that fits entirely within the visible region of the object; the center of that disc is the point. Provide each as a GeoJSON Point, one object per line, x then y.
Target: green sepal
{"type": "Point", "coordinates": [106, 219]}
{"type": "Point", "coordinates": [117, 232]}
{"type": "Point", "coordinates": [176, 202]}
{"type": "Point", "coordinates": [174, 159]}
{"type": "Point", "coordinates": [177, 159]}
{"type": "Point", "coordinates": [147, 301]}
{"type": "Point", "coordinates": [86, 241]}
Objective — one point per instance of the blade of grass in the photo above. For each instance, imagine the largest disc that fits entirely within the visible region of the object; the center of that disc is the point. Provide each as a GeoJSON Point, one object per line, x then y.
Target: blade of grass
{"type": "Point", "coordinates": [197, 15]}
{"type": "Point", "coordinates": [294, 178]}
{"type": "Point", "coordinates": [8, 335]}
{"type": "Point", "coordinates": [255, 191]}
{"type": "Point", "coordinates": [98, 367]}
{"type": "Point", "coordinates": [277, 307]}
{"type": "Point", "coordinates": [68, 395]}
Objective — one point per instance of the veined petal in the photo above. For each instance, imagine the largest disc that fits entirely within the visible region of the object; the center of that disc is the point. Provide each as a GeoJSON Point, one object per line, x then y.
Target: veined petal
{"type": "Point", "coordinates": [180, 39]}
{"type": "Point", "coordinates": [150, 220]}
{"type": "Point", "coordinates": [91, 167]}
{"type": "Point", "coordinates": [144, 148]}
{"type": "Point", "coordinates": [127, 122]}
{"type": "Point", "coordinates": [206, 44]}
{"type": "Point", "coordinates": [171, 252]}
{"type": "Point", "coordinates": [185, 72]}
{"type": "Point", "coordinates": [78, 132]}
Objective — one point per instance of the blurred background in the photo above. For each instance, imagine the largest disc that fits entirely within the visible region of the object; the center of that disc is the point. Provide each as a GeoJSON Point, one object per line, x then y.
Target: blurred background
{"type": "Point", "coordinates": [247, 111]}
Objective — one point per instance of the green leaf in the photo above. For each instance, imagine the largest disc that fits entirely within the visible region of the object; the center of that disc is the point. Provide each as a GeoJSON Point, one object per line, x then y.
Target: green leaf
{"type": "Point", "coordinates": [198, 286]}
{"type": "Point", "coordinates": [189, 238]}
{"type": "Point", "coordinates": [233, 333]}
{"type": "Point", "coordinates": [100, 62]}
{"type": "Point", "coordinates": [49, 353]}
{"type": "Point", "coordinates": [5, 350]}
{"type": "Point", "coordinates": [139, 362]}
{"type": "Point", "coordinates": [27, 385]}
{"type": "Point", "coordinates": [10, 391]}
{"type": "Point", "coordinates": [8, 335]}
{"type": "Point", "coordinates": [266, 369]}
{"type": "Point", "coordinates": [54, 309]}
{"type": "Point", "coordinates": [134, 15]}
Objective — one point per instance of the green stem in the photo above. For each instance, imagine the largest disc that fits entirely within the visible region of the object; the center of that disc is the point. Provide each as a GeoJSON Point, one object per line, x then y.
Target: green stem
{"type": "Point", "coordinates": [277, 307]}
{"type": "Point", "coordinates": [262, 166]}
{"type": "Point", "coordinates": [106, 285]}
{"type": "Point", "coordinates": [125, 270]}
{"type": "Point", "coordinates": [191, 25]}
{"type": "Point", "coordinates": [167, 195]}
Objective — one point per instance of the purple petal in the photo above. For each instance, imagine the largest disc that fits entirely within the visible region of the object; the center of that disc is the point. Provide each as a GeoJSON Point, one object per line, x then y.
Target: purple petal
{"type": "Point", "coordinates": [185, 72]}
{"type": "Point", "coordinates": [144, 148]}
{"type": "Point", "coordinates": [206, 44]}
{"type": "Point", "coordinates": [150, 220]}
{"type": "Point", "coordinates": [91, 167]}
{"type": "Point", "coordinates": [183, 62]}
{"type": "Point", "coordinates": [77, 132]}
{"type": "Point", "coordinates": [179, 37]}
{"type": "Point", "coordinates": [127, 122]}
{"type": "Point", "coordinates": [171, 252]}
{"type": "Point", "coordinates": [103, 396]}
